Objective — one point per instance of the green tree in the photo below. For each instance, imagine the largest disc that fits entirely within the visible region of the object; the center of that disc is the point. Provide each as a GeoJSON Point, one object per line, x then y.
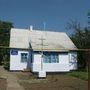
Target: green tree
{"type": "Point", "coordinates": [4, 39]}
{"type": "Point", "coordinates": [80, 37]}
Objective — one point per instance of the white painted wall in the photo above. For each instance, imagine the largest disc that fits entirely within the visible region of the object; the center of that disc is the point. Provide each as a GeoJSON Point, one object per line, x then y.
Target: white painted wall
{"type": "Point", "coordinates": [36, 66]}
{"type": "Point", "coordinates": [73, 60]}
{"type": "Point", "coordinates": [62, 66]}
{"type": "Point", "coordinates": [66, 63]}
{"type": "Point", "coordinates": [55, 67]}
{"type": "Point", "coordinates": [15, 61]}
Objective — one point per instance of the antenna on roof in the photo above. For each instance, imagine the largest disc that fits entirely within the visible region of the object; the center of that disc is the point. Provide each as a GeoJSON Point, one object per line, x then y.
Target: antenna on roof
{"type": "Point", "coordinates": [44, 24]}
{"type": "Point", "coordinates": [30, 27]}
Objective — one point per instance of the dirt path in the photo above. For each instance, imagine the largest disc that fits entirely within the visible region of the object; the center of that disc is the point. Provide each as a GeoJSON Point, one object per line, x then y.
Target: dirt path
{"type": "Point", "coordinates": [12, 80]}
{"type": "Point", "coordinates": [27, 81]}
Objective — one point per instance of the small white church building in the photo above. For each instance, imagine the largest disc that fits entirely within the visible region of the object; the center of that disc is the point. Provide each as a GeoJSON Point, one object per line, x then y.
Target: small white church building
{"type": "Point", "coordinates": [41, 51]}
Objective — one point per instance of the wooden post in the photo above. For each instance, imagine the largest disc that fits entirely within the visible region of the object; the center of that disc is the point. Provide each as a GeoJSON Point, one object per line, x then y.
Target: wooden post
{"type": "Point", "coordinates": [88, 57]}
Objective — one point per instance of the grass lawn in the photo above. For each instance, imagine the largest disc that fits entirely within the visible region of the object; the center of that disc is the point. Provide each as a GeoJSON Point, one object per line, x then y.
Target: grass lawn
{"type": "Point", "coordinates": [79, 74]}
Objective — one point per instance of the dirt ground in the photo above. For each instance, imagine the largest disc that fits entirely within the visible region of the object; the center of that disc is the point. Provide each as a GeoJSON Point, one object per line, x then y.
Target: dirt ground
{"type": "Point", "coordinates": [52, 82]}
{"type": "Point", "coordinates": [3, 84]}
{"type": "Point", "coordinates": [28, 81]}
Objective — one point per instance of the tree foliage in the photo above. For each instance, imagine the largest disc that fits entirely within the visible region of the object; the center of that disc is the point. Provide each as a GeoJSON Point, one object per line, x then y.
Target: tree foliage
{"type": "Point", "coordinates": [4, 39]}
{"type": "Point", "coordinates": [5, 32]}
{"type": "Point", "coordinates": [81, 38]}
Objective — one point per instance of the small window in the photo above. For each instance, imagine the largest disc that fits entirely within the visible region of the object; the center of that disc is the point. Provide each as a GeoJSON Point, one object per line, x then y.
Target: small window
{"type": "Point", "coordinates": [24, 57]}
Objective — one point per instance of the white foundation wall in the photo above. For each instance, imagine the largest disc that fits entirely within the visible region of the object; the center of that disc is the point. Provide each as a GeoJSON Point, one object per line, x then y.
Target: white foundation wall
{"type": "Point", "coordinates": [54, 67]}
{"type": "Point", "coordinates": [73, 60]}
{"type": "Point", "coordinates": [62, 66]}
{"type": "Point", "coordinates": [15, 61]}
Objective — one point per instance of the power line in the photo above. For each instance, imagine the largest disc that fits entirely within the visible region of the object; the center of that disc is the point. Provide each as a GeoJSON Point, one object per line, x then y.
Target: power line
{"type": "Point", "coordinates": [7, 47]}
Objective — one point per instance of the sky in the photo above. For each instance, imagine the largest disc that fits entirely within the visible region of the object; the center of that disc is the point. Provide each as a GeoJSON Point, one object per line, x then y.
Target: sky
{"type": "Point", "coordinates": [51, 14]}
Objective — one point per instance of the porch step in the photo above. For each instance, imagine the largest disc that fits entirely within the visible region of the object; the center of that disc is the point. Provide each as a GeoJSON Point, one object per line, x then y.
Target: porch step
{"type": "Point", "coordinates": [41, 74]}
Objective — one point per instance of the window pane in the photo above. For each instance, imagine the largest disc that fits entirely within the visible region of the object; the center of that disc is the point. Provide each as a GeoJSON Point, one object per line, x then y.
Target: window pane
{"type": "Point", "coordinates": [46, 59]}
{"type": "Point", "coordinates": [50, 58]}
{"type": "Point", "coordinates": [24, 57]}
{"type": "Point", "coordinates": [53, 60]}
{"type": "Point", "coordinates": [57, 58]}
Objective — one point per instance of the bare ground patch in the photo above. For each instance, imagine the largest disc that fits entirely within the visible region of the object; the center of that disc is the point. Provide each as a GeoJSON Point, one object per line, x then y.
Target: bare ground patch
{"type": "Point", "coordinates": [3, 84]}
{"type": "Point", "coordinates": [52, 82]}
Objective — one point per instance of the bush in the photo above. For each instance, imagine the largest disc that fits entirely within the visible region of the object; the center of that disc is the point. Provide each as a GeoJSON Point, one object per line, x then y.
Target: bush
{"type": "Point", "coordinates": [6, 65]}
{"type": "Point", "coordinates": [6, 62]}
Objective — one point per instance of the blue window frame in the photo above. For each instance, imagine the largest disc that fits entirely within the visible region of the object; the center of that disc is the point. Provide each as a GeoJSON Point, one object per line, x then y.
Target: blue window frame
{"type": "Point", "coordinates": [24, 57]}
{"type": "Point", "coordinates": [50, 58]}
